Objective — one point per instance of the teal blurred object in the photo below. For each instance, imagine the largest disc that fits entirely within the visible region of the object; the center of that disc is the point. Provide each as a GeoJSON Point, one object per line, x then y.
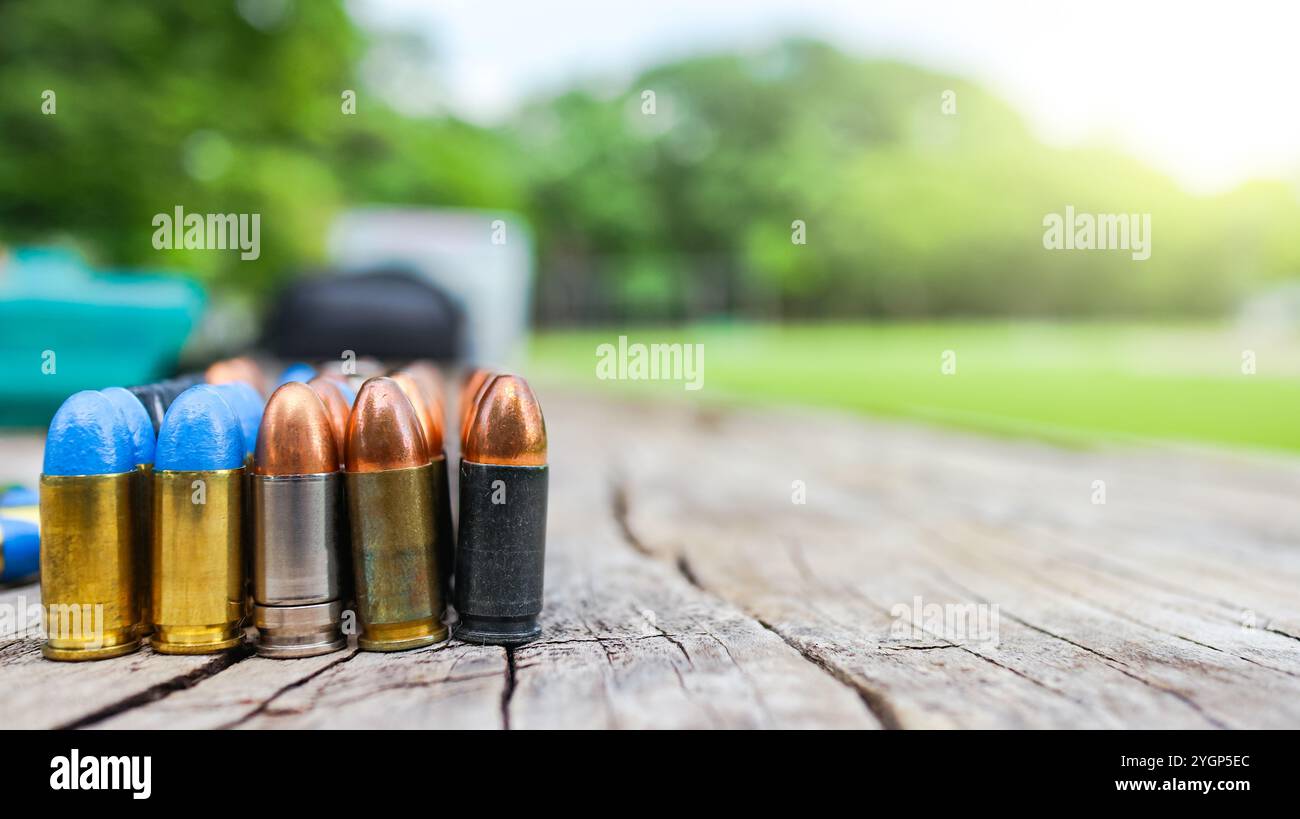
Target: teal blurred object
{"type": "Point", "coordinates": [96, 329]}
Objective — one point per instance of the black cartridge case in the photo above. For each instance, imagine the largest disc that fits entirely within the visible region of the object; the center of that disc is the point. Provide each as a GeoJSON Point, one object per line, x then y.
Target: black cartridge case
{"type": "Point", "coordinates": [501, 557]}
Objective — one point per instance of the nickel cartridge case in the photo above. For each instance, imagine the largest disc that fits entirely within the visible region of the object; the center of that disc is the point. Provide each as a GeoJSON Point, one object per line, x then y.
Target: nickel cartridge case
{"type": "Point", "coordinates": [297, 502]}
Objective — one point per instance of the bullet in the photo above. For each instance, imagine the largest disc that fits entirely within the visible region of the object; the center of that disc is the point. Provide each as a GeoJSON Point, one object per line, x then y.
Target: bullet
{"type": "Point", "coordinates": [297, 497]}
{"type": "Point", "coordinates": [142, 448]}
{"type": "Point", "coordinates": [173, 387]}
{"type": "Point", "coordinates": [198, 562]}
{"type": "Point", "coordinates": [233, 370]}
{"type": "Point", "coordinates": [430, 381]}
{"type": "Point", "coordinates": [349, 394]}
{"type": "Point", "coordinates": [501, 556]}
{"type": "Point", "coordinates": [20, 549]}
{"type": "Point", "coordinates": [430, 415]}
{"type": "Point", "coordinates": [247, 404]}
{"type": "Point", "coordinates": [88, 564]}
{"type": "Point", "coordinates": [296, 372]}
{"type": "Point", "coordinates": [338, 406]}
{"type": "Point", "coordinates": [21, 503]}
{"type": "Point", "coordinates": [248, 407]}
{"type": "Point", "coordinates": [390, 506]}
{"type": "Point", "coordinates": [470, 391]}
{"type": "Point", "coordinates": [20, 534]}
{"type": "Point", "coordinates": [17, 497]}
{"type": "Point", "coordinates": [154, 401]}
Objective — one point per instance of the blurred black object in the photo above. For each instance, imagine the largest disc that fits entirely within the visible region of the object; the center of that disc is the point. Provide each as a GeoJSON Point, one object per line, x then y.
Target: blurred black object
{"type": "Point", "coordinates": [387, 313]}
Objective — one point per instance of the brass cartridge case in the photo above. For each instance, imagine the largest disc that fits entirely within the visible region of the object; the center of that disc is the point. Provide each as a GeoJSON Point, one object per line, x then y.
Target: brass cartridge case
{"type": "Point", "coordinates": [88, 567]}
{"type": "Point", "coordinates": [399, 602]}
{"type": "Point", "coordinates": [142, 503]}
{"type": "Point", "coordinates": [198, 562]}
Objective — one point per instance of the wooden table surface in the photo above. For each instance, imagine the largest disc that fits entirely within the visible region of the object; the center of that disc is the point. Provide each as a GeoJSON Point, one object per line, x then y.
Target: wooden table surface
{"type": "Point", "coordinates": [686, 588]}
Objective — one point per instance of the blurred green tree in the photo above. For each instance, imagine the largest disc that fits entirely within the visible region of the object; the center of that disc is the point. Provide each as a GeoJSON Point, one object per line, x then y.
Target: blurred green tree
{"type": "Point", "coordinates": [218, 107]}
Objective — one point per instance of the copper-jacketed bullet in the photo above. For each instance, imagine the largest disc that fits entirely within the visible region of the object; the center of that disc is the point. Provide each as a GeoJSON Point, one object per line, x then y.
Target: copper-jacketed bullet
{"type": "Point", "coordinates": [501, 555]}
{"type": "Point", "coordinates": [297, 499]}
{"type": "Point", "coordinates": [390, 504]}
{"type": "Point", "coordinates": [232, 370]}
{"type": "Point", "coordinates": [430, 380]}
{"type": "Point", "coordinates": [470, 393]}
{"type": "Point", "coordinates": [429, 410]}
{"type": "Point", "coordinates": [336, 405]}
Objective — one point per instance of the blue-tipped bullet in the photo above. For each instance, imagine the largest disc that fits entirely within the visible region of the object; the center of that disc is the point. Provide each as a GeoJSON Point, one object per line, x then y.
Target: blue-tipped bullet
{"type": "Point", "coordinates": [21, 503]}
{"type": "Point", "coordinates": [137, 422]}
{"type": "Point", "coordinates": [143, 442]}
{"type": "Point", "coordinates": [198, 598]}
{"type": "Point", "coordinates": [19, 496]}
{"type": "Point", "coordinates": [20, 549]}
{"type": "Point", "coordinates": [88, 561]}
{"type": "Point", "coordinates": [247, 404]}
{"type": "Point", "coordinates": [200, 433]}
{"type": "Point", "coordinates": [296, 372]}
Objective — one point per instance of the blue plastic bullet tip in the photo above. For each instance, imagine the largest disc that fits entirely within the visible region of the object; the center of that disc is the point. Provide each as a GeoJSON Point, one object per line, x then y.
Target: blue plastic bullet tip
{"type": "Point", "coordinates": [22, 549]}
{"type": "Point", "coordinates": [88, 436]}
{"type": "Point", "coordinates": [296, 372]}
{"type": "Point", "coordinates": [20, 496]}
{"type": "Point", "coordinates": [248, 405]}
{"type": "Point", "coordinates": [137, 419]}
{"type": "Point", "coordinates": [200, 433]}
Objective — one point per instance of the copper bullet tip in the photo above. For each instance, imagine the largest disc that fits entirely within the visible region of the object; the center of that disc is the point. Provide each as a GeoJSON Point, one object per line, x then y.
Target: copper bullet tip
{"type": "Point", "coordinates": [470, 391]}
{"type": "Point", "coordinates": [430, 420]}
{"type": "Point", "coordinates": [507, 427]}
{"type": "Point", "coordinates": [427, 373]}
{"type": "Point", "coordinates": [336, 406]}
{"type": "Point", "coordinates": [296, 436]}
{"type": "Point", "coordinates": [236, 369]}
{"type": "Point", "coordinates": [383, 430]}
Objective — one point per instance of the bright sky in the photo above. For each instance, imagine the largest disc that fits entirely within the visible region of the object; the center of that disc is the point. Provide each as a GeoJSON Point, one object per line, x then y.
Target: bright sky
{"type": "Point", "coordinates": [1208, 93]}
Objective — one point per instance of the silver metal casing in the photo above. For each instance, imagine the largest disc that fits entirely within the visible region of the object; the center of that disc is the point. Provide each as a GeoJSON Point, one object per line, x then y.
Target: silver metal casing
{"type": "Point", "coordinates": [296, 542]}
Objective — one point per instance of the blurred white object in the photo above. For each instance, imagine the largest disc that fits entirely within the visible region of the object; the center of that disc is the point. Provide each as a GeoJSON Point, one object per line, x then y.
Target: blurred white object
{"type": "Point", "coordinates": [482, 260]}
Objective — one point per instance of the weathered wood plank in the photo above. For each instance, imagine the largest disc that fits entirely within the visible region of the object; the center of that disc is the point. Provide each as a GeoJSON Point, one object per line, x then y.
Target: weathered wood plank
{"type": "Point", "coordinates": [1123, 614]}
{"type": "Point", "coordinates": [686, 589]}
{"type": "Point", "coordinates": [629, 642]}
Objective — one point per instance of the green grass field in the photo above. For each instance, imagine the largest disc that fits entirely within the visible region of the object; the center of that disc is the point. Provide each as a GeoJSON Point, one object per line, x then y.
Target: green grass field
{"type": "Point", "coordinates": [1076, 384]}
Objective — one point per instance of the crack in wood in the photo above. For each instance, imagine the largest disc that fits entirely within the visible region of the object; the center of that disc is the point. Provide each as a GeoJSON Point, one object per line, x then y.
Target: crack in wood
{"type": "Point", "coordinates": [508, 692]}
{"type": "Point", "coordinates": [265, 705]}
{"type": "Point", "coordinates": [163, 689]}
{"type": "Point", "coordinates": [875, 702]}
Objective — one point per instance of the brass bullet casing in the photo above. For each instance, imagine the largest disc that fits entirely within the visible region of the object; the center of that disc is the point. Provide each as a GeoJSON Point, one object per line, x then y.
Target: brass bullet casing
{"type": "Point", "coordinates": [390, 505]}
{"type": "Point", "coordinates": [297, 499]}
{"type": "Point", "coordinates": [501, 556]}
{"type": "Point", "coordinates": [429, 410]}
{"type": "Point", "coordinates": [198, 562]}
{"type": "Point", "coordinates": [142, 498]}
{"type": "Point", "coordinates": [88, 545]}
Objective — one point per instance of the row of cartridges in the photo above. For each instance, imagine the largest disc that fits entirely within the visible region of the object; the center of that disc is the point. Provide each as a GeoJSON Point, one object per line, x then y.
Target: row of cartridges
{"type": "Point", "coordinates": [182, 512]}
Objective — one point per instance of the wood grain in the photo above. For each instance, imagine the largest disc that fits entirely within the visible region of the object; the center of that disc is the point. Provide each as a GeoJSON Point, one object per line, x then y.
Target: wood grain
{"type": "Point", "coordinates": [686, 588]}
